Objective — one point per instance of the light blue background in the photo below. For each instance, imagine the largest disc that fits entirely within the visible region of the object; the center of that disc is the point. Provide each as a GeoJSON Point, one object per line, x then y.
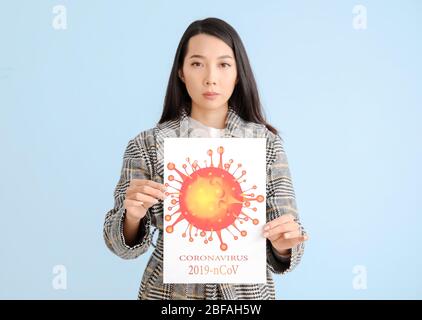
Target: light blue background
{"type": "Point", "coordinates": [347, 102]}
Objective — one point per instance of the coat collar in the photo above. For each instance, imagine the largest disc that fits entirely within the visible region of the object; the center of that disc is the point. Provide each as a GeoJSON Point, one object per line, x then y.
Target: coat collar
{"type": "Point", "coordinates": [179, 128]}
{"type": "Point", "coordinates": [232, 125]}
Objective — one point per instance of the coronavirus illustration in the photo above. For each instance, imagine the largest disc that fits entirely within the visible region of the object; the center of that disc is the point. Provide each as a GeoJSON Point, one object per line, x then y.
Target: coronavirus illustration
{"type": "Point", "coordinates": [209, 200]}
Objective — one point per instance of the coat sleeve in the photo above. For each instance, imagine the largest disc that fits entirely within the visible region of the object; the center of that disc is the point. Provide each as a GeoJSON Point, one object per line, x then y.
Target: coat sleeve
{"type": "Point", "coordinates": [280, 200]}
{"type": "Point", "coordinates": [134, 167]}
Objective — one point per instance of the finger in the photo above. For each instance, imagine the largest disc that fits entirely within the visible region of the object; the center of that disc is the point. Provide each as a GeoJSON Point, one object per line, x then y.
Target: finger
{"type": "Point", "coordinates": [286, 218]}
{"type": "Point", "coordinates": [291, 243]}
{"type": "Point", "coordinates": [153, 184]}
{"type": "Point", "coordinates": [281, 229]}
{"type": "Point", "coordinates": [299, 239]}
{"type": "Point", "coordinates": [142, 197]}
{"type": "Point", "coordinates": [134, 203]}
{"type": "Point", "coordinates": [137, 182]}
{"type": "Point", "coordinates": [293, 234]}
{"type": "Point", "coordinates": [156, 185]}
{"type": "Point", "coordinates": [155, 193]}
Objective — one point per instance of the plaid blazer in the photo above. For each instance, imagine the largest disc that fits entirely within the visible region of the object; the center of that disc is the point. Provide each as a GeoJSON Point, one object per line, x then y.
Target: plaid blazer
{"type": "Point", "coordinates": [144, 159]}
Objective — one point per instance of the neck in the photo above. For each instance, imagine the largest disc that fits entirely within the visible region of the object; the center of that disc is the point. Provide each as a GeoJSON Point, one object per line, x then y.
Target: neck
{"type": "Point", "coordinates": [215, 118]}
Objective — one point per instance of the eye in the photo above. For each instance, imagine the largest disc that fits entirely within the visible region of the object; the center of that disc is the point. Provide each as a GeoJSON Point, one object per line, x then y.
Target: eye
{"type": "Point", "coordinates": [225, 65]}
{"type": "Point", "coordinates": [195, 64]}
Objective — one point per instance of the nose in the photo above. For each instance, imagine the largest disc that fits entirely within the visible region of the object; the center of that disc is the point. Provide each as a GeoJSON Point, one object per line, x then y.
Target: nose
{"type": "Point", "coordinates": [210, 77]}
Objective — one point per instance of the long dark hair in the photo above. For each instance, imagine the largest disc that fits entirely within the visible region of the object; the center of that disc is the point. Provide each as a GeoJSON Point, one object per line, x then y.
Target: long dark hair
{"type": "Point", "coordinates": [244, 99]}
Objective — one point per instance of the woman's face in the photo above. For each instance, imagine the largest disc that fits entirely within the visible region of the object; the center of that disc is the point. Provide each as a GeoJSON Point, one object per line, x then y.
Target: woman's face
{"type": "Point", "coordinates": [209, 66]}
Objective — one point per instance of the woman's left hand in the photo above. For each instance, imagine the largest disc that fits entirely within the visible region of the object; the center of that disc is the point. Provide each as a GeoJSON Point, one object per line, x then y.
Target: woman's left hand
{"type": "Point", "coordinates": [284, 233]}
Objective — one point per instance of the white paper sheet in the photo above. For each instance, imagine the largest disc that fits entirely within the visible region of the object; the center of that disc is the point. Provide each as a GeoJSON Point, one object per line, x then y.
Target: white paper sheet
{"type": "Point", "coordinates": [215, 211]}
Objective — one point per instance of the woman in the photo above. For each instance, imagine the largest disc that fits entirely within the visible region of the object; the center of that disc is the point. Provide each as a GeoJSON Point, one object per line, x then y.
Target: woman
{"type": "Point", "coordinates": [211, 93]}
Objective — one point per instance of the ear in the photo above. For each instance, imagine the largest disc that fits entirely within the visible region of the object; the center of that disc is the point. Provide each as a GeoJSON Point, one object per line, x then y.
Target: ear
{"type": "Point", "coordinates": [180, 73]}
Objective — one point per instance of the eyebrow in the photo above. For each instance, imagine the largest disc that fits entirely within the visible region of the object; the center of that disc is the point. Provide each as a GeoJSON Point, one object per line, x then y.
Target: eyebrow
{"type": "Point", "coordinates": [202, 57]}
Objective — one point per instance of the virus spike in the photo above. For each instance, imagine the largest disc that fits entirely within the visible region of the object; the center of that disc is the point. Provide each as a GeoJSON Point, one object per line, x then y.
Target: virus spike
{"type": "Point", "coordinates": [247, 217]}
{"type": "Point", "coordinates": [184, 233]}
{"type": "Point", "coordinates": [171, 208]}
{"type": "Point", "coordinates": [172, 166]}
{"type": "Point", "coordinates": [243, 173]}
{"type": "Point", "coordinates": [190, 232]}
{"type": "Point", "coordinates": [254, 187]}
{"type": "Point", "coordinates": [184, 167]}
{"type": "Point", "coordinates": [238, 166]}
{"type": "Point", "coordinates": [210, 155]}
{"type": "Point", "coordinates": [188, 161]}
{"type": "Point", "coordinates": [248, 194]}
{"type": "Point", "coordinates": [234, 237]}
{"type": "Point", "coordinates": [173, 188]}
{"type": "Point", "coordinates": [220, 151]}
{"type": "Point", "coordinates": [170, 228]}
{"type": "Point", "coordinates": [234, 225]}
{"type": "Point", "coordinates": [168, 216]}
{"type": "Point", "coordinates": [223, 246]}
{"type": "Point", "coordinates": [259, 198]}
{"type": "Point", "coordinates": [196, 165]}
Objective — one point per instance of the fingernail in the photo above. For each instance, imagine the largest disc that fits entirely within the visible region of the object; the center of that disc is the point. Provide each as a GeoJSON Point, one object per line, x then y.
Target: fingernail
{"type": "Point", "coordinates": [267, 228]}
{"type": "Point", "coordinates": [286, 236]}
{"type": "Point", "coordinates": [266, 234]}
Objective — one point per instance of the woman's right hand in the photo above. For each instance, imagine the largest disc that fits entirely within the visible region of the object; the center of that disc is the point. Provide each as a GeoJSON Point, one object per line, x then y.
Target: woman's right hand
{"type": "Point", "coordinates": [142, 195]}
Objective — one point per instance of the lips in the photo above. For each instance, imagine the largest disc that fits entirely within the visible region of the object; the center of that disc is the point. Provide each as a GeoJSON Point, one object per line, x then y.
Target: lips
{"type": "Point", "coordinates": [210, 94]}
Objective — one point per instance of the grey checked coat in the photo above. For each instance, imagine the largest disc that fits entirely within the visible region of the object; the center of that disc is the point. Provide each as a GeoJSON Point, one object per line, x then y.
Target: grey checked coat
{"type": "Point", "coordinates": [143, 159]}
